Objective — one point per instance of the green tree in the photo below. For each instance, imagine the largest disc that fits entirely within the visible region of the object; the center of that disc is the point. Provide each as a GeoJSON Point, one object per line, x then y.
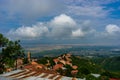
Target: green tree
{"type": "Point", "coordinates": [85, 71]}
{"type": "Point", "coordinates": [3, 40]}
{"type": "Point", "coordinates": [91, 77]}
{"type": "Point", "coordinates": [103, 78]}
{"type": "Point", "coordinates": [11, 50]}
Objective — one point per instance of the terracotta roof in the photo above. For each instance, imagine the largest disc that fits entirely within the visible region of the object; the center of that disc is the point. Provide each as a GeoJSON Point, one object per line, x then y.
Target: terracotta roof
{"type": "Point", "coordinates": [57, 66]}
{"type": "Point", "coordinates": [74, 71]}
{"type": "Point", "coordinates": [56, 60]}
{"type": "Point", "coordinates": [74, 67]}
{"type": "Point", "coordinates": [74, 78]}
{"type": "Point", "coordinates": [63, 61]}
{"type": "Point", "coordinates": [34, 63]}
{"type": "Point", "coordinates": [68, 63]}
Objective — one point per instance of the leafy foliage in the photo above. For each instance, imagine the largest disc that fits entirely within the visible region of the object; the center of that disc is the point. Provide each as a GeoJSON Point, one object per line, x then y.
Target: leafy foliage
{"type": "Point", "coordinates": [110, 74]}
{"type": "Point", "coordinates": [110, 64]}
{"type": "Point", "coordinates": [91, 77]}
{"type": "Point", "coordinates": [3, 40]}
{"type": "Point", "coordinates": [10, 52]}
{"type": "Point", "coordinates": [44, 60]}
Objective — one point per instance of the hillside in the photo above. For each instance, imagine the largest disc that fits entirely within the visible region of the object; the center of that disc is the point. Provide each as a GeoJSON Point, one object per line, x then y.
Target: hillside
{"type": "Point", "coordinates": [85, 67]}
{"type": "Point", "coordinates": [110, 64]}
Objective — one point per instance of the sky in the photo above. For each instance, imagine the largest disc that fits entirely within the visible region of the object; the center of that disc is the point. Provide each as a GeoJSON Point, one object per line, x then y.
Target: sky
{"type": "Point", "coordinates": [61, 21]}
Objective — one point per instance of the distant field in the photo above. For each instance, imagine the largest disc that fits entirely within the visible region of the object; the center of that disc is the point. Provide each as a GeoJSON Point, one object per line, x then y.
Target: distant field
{"type": "Point", "coordinates": [40, 48]}
{"type": "Point", "coordinates": [90, 51]}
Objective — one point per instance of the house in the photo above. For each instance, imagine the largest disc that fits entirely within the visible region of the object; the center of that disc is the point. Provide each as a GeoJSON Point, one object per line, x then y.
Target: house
{"type": "Point", "coordinates": [74, 67]}
{"type": "Point", "coordinates": [57, 66]}
{"type": "Point", "coordinates": [19, 63]}
{"type": "Point", "coordinates": [34, 66]}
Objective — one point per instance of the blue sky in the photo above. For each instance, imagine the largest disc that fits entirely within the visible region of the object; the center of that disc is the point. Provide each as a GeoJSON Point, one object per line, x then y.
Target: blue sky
{"type": "Point", "coordinates": [61, 21]}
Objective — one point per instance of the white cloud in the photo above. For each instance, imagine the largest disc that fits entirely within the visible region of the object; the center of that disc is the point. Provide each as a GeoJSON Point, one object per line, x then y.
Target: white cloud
{"type": "Point", "coordinates": [86, 8]}
{"type": "Point", "coordinates": [111, 32]}
{"type": "Point", "coordinates": [29, 32]}
{"type": "Point", "coordinates": [111, 28]}
{"type": "Point", "coordinates": [63, 20]}
{"type": "Point", "coordinates": [60, 27]}
{"type": "Point", "coordinates": [78, 33]}
{"type": "Point", "coordinates": [92, 11]}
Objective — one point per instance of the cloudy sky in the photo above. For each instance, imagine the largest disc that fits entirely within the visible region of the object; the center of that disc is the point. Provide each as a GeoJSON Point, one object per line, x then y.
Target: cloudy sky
{"type": "Point", "coordinates": [61, 21]}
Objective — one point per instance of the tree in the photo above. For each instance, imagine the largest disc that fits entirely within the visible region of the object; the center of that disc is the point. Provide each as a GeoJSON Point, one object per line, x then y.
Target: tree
{"type": "Point", "coordinates": [85, 71]}
{"type": "Point", "coordinates": [91, 77]}
{"type": "Point", "coordinates": [10, 52]}
{"type": "Point", "coordinates": [3, 40]}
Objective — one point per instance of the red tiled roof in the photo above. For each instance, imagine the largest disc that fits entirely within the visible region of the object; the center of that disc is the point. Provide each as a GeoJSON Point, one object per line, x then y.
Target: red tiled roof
{"type": "Point", "coordinates": [74, 67]}
{"type": "Point", "coordinates": [34, 63]}
{"type": "Point", "coordinates": [57, 66]}
{"type": "Point", "coordinates": [33, 66]}
{"type": "Point", "coordinates": [63, 61]}
{"type": "Point", "coordinates": [56, 60]}
{"type": "Point", "coordinates": [74, 71]}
